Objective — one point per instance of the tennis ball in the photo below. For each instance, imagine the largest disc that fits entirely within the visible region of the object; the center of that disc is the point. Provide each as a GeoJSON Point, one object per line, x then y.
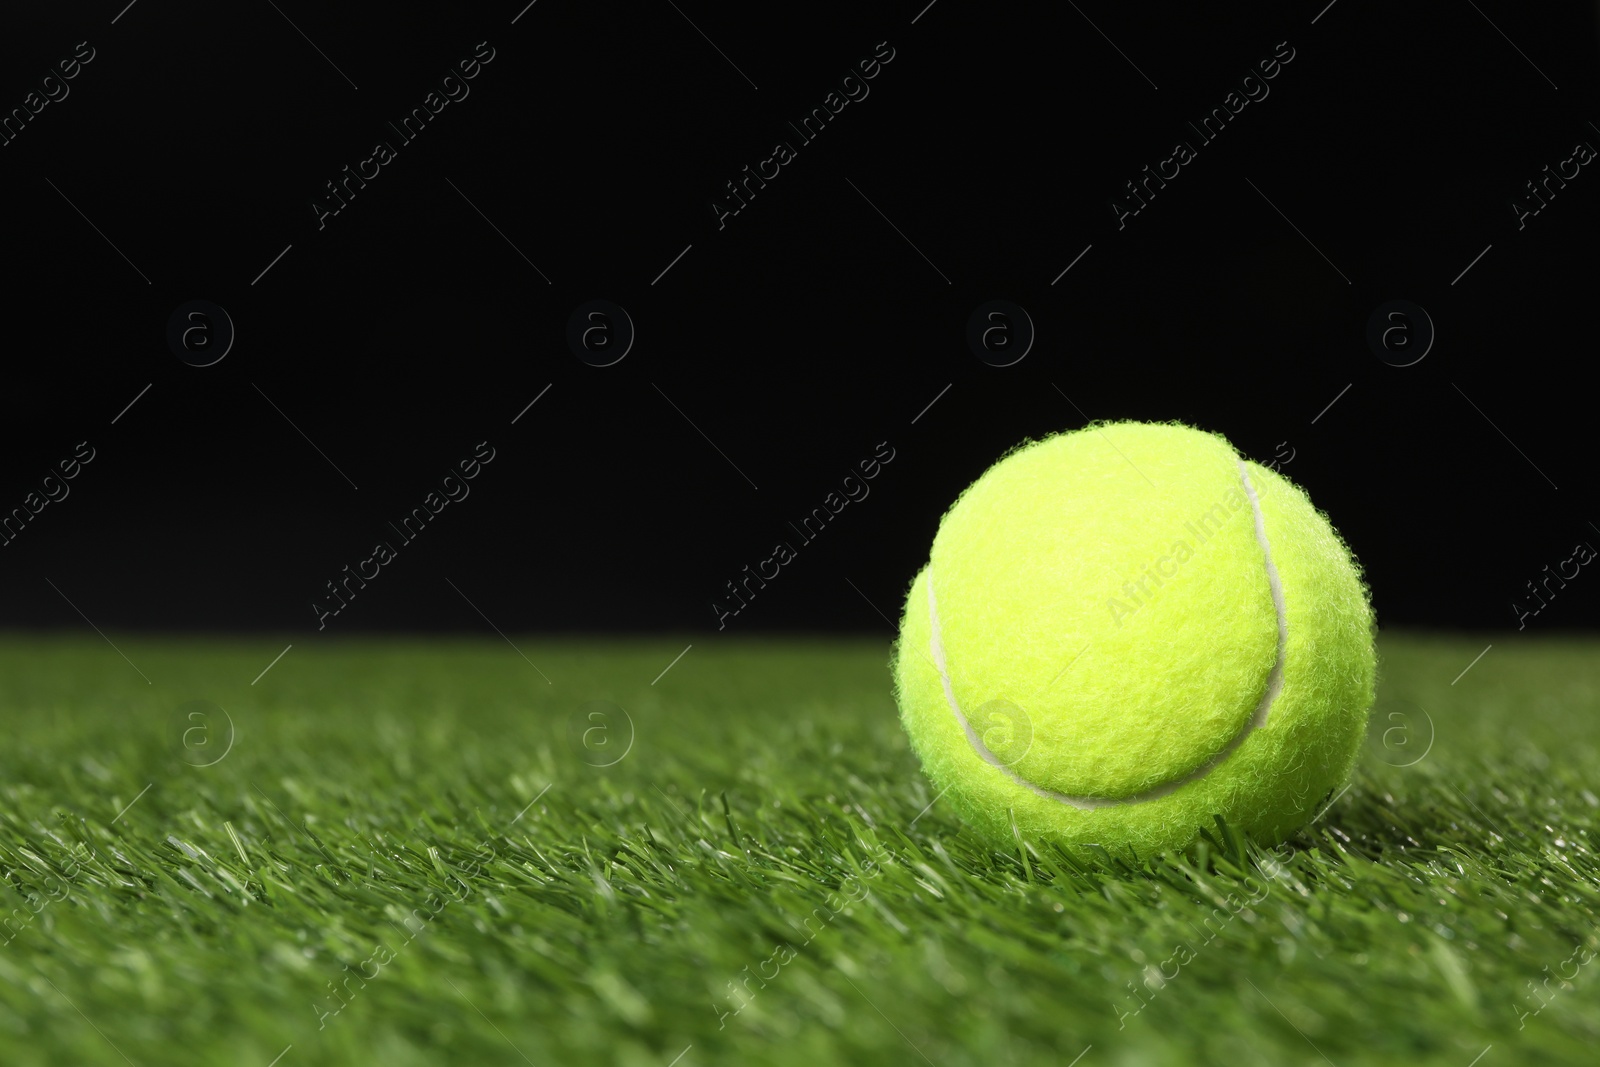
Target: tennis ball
{"type": "Point", "coordinates": [1127, 629]}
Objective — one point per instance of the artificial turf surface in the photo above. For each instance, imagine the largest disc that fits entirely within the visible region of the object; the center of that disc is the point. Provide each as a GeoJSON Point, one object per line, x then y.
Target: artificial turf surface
{"type": "Point", "coordinates": [759, 879]}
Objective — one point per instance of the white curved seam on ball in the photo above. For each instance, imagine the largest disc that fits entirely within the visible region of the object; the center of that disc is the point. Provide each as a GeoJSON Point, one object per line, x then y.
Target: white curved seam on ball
{"type": "Point", "coordinates": [1275, 677]}
{"type": "Point", "coordinates": [936, 647]}
{"type": "Point", "coordinates": [1257, 719]}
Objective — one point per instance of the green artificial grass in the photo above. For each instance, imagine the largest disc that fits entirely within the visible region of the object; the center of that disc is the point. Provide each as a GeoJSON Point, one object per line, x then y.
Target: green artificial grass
{"type": "Point", "coordinates": [409, 857]}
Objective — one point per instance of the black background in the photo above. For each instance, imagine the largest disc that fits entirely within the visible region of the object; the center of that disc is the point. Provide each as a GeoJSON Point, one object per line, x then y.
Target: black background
{"type": "Point", "coordinates": [819, 321]}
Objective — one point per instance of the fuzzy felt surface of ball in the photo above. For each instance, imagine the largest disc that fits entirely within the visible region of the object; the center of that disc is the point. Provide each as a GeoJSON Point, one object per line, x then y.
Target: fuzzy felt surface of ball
{"type": "Point", "coordinates": [1125, 630]}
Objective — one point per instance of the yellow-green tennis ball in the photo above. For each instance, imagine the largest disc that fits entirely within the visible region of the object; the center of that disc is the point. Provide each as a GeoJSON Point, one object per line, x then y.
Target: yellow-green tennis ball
{"type": "Point", "coordinates": [1127, 629]}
